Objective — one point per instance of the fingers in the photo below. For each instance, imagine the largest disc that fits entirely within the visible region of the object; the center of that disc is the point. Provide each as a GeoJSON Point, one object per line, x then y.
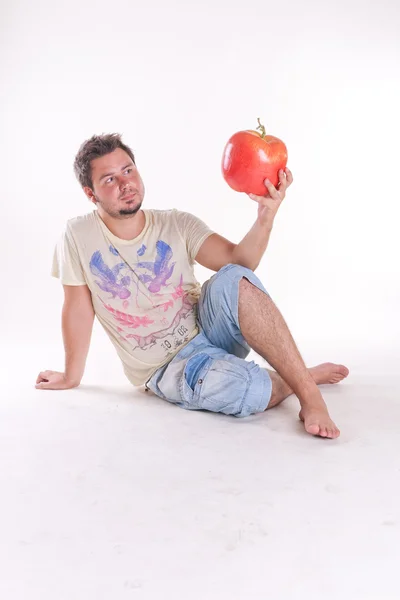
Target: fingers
{"type": "Point", "coordinates": [43, 385]}
{"type": "Point", "coordinates": [49, 385]}
{"type": "Point", "coordinates": [289, 177]}
{"type": "Point", "coordinates": [285, 179]}
{"type": "Point", "coordinates": [263, 200]}
{"type": "Point", "coordinates": [282, 183]}
{"type": "Point", "coordinates": [273, 192]}
{"type": "Point", "coordinates": [46, 380]}
{"type": "Point", "coordinates": [276, 193]}
{"type": "Point", "coordinates": [43, 376]}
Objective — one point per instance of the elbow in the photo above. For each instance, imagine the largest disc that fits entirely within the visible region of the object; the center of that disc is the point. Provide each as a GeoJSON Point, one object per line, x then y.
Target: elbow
{"type": "Point", "coordinates": [237, 259]}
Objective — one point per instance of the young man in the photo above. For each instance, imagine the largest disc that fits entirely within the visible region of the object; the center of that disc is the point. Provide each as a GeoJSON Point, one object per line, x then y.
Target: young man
{"type": "Point", "coordinates": [133, 268]}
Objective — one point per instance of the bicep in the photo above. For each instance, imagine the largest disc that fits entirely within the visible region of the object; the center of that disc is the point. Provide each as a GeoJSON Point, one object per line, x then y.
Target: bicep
{"type": "Point", "coordinates": [78, 297]}
{"type": "Point", "coordinates": [215, 252]}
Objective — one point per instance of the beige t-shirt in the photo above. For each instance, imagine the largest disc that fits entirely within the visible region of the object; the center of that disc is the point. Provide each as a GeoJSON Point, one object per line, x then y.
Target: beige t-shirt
{"type": "Point", "coordinates": [144, 291]}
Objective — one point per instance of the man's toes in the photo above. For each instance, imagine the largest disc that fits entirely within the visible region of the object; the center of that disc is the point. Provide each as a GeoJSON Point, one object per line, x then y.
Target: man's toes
{"type": "Point", "coordinates": [312, 428]}
{"type": "Point", "coordinates": [334, 432]}
{"type": "Point", "coordinates": [339, 372]}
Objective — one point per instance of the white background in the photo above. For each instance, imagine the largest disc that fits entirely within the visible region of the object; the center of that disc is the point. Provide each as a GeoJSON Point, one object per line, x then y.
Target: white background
{"type": "Point", "coordinates": [177, 79]}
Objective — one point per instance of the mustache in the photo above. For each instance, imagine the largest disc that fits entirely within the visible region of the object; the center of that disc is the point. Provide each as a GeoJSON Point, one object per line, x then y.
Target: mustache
{"type": "Point", "coordinates": [129, 193]}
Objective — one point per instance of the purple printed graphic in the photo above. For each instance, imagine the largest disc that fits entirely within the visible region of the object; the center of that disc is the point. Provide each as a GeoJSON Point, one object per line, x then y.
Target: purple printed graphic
{"type": "Point", "coordinates": [148, 305]}
{"type": "Point", "coordinates": [109, 277]}
{"type": "Point", "coordinates": [160, 268]}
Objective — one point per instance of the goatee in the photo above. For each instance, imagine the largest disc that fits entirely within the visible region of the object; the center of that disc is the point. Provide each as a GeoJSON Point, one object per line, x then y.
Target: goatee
{"type": "Point", "coordinates": [124, 212]}
{"type": "Point", "coordinates": [130, 211]}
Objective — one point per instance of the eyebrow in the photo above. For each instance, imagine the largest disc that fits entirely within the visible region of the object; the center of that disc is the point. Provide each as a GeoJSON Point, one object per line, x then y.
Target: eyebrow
{"type": "Point", "coordinates": [109, 174]}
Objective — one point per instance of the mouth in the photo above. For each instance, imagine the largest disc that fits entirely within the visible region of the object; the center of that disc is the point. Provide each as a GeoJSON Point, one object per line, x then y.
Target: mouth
{"type": "Point", "coordinates": [128, 198]}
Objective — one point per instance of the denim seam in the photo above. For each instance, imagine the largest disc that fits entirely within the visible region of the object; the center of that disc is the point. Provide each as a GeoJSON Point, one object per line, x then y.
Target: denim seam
{"type": "Point", "coordinates": [249, 381]}
{"type": "Point", "coordinates": [183, 381]}
{"type": "Point", "coordinates": [264, 393]}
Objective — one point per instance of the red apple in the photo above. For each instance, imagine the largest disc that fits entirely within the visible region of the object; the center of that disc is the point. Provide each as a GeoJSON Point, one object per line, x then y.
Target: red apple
{"type": "Point", "coordinates": [250, 157]}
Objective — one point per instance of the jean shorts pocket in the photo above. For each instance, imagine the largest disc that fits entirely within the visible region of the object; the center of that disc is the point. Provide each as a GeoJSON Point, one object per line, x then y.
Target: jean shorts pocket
{"type": "Point", "coordinates": [221, 386]}
{"type": "Point", "coordinates": [193, 376]}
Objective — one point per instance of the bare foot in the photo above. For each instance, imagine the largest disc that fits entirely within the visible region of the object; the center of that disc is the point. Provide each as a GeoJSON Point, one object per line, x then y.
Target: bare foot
{"type": "Point", "coordinates": [328, 373]}
{"type": "Point", "coordinates": [316, 419]}
{"type": "Point", "coordinates": [315, 414]}
{"type": "Point", "coordinates": [325, 373]}
{"type": "Point", "coordinates": [318, 422]}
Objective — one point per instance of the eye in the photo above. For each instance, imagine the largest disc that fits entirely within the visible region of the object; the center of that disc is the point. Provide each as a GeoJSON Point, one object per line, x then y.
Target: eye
{"type": "Point", "coordinates": [128, 170]}
{"type": "Point", "coordinates": [109, 180]}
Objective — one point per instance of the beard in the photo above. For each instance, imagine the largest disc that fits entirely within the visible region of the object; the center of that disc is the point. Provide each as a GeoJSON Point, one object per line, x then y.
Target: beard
{"type": "Point", "coordinates": [121, 213]}
{"type": "Point", "coordinates": [126, 212]}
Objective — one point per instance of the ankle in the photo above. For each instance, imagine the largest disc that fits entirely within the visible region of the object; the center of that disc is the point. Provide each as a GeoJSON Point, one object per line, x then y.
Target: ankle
{"type": "Point", "coordinates": [280, 389]}
{"type": "Point", "coordinates": [311, 398]}
{"type": "Point", "coordinates": [307, 388]}
{"type": "Point", "coordinates": [315, 404]}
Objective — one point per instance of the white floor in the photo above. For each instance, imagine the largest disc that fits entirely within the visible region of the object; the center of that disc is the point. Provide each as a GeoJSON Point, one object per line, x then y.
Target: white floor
{"type": "Point", "coordinates": [109, 493]}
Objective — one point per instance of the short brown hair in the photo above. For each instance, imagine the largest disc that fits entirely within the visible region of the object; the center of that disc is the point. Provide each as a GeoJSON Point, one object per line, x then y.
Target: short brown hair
{"type": "Point", "coordinates": [95, 147]}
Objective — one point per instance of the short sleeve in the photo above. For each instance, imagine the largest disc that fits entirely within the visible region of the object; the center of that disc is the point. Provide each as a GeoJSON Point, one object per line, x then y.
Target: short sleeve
{"type": "Point", "coordinates": [193, 232]}
{"type": "Point", "coordinates": [66, 263]}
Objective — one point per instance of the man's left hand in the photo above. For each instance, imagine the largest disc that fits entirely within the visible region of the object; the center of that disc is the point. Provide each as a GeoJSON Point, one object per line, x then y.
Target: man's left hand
{"type": "Point", "coordinates": [269, 204]}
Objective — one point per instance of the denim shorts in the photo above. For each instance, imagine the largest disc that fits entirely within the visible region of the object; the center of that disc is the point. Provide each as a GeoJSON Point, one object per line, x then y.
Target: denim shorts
{"type": "Point", "coordinates": [210, 372]}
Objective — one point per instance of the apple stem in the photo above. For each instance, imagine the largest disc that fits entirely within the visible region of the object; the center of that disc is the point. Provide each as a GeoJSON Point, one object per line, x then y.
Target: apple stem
{"type": "Point", "coordinates": [261, 128]}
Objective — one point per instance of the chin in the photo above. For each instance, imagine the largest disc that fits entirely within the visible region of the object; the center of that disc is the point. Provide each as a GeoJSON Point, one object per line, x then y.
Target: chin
{"type": "Point", "coordinates": [130, 211]}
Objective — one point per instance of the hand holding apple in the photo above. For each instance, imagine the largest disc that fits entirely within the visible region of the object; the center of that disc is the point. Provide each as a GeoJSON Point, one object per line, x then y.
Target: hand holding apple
{"type": "Point", "coordinates": [269, 203]}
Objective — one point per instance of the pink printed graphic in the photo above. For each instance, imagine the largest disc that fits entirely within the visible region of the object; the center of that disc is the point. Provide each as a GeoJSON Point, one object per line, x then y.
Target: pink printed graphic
{"type": "Point", "coordinates": [128, 320]}
{"type": "Point", "coordinates": [146, 341]}
{"type": "Point", "coordinates": [165, 308]}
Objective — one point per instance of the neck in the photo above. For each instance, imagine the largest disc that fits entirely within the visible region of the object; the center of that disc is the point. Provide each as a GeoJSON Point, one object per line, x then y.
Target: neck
{"type": "Point", "coordinates": [127, 228]}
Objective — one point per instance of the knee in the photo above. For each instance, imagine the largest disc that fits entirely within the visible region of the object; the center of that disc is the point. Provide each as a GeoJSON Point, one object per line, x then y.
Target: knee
{"type": "Point", "coordinates": [235, 271]}
{"type": "Point", "coordinates": [232, 274]}
{"type": "Point", "coordinates": [245, 283]}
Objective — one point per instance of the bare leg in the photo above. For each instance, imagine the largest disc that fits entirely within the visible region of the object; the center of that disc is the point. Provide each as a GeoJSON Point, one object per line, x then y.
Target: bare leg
{"type": "Point", "coordinates": [265, 330]}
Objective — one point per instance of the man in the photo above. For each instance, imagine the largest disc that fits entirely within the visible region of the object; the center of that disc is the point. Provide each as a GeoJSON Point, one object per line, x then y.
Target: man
{"type": "Point", "coordinates": [133, 269]}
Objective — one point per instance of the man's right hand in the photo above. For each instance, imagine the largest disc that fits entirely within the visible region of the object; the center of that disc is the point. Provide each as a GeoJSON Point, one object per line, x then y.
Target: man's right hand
{"type": "Point", "coordinates": [54, 380]}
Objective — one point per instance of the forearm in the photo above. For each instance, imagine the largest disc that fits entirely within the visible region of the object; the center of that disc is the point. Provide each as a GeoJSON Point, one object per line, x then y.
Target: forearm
{"type": "Point", "coordinates": [77, 325]}
{"type": "Point", "coordinates": [250, 250]}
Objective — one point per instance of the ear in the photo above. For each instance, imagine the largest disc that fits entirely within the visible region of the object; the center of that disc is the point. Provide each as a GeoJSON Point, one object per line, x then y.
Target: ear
{"type": "Point", "coordinates": [90, 194]}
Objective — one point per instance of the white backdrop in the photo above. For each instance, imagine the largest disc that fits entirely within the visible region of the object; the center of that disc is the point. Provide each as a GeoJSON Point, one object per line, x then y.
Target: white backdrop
{"type": "Point", "coordinates": [177, 80]}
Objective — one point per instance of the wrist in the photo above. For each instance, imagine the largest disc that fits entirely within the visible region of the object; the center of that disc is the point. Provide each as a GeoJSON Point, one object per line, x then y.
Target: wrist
{"type": "Point", "coordinates": [266, 224]}
{"type": "Point", "coordinates": [72, 379]}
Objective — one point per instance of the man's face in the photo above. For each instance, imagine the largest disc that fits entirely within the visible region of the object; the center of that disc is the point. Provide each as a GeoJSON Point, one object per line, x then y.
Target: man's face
{"type": "Point", "coordinates": [117, 186]}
